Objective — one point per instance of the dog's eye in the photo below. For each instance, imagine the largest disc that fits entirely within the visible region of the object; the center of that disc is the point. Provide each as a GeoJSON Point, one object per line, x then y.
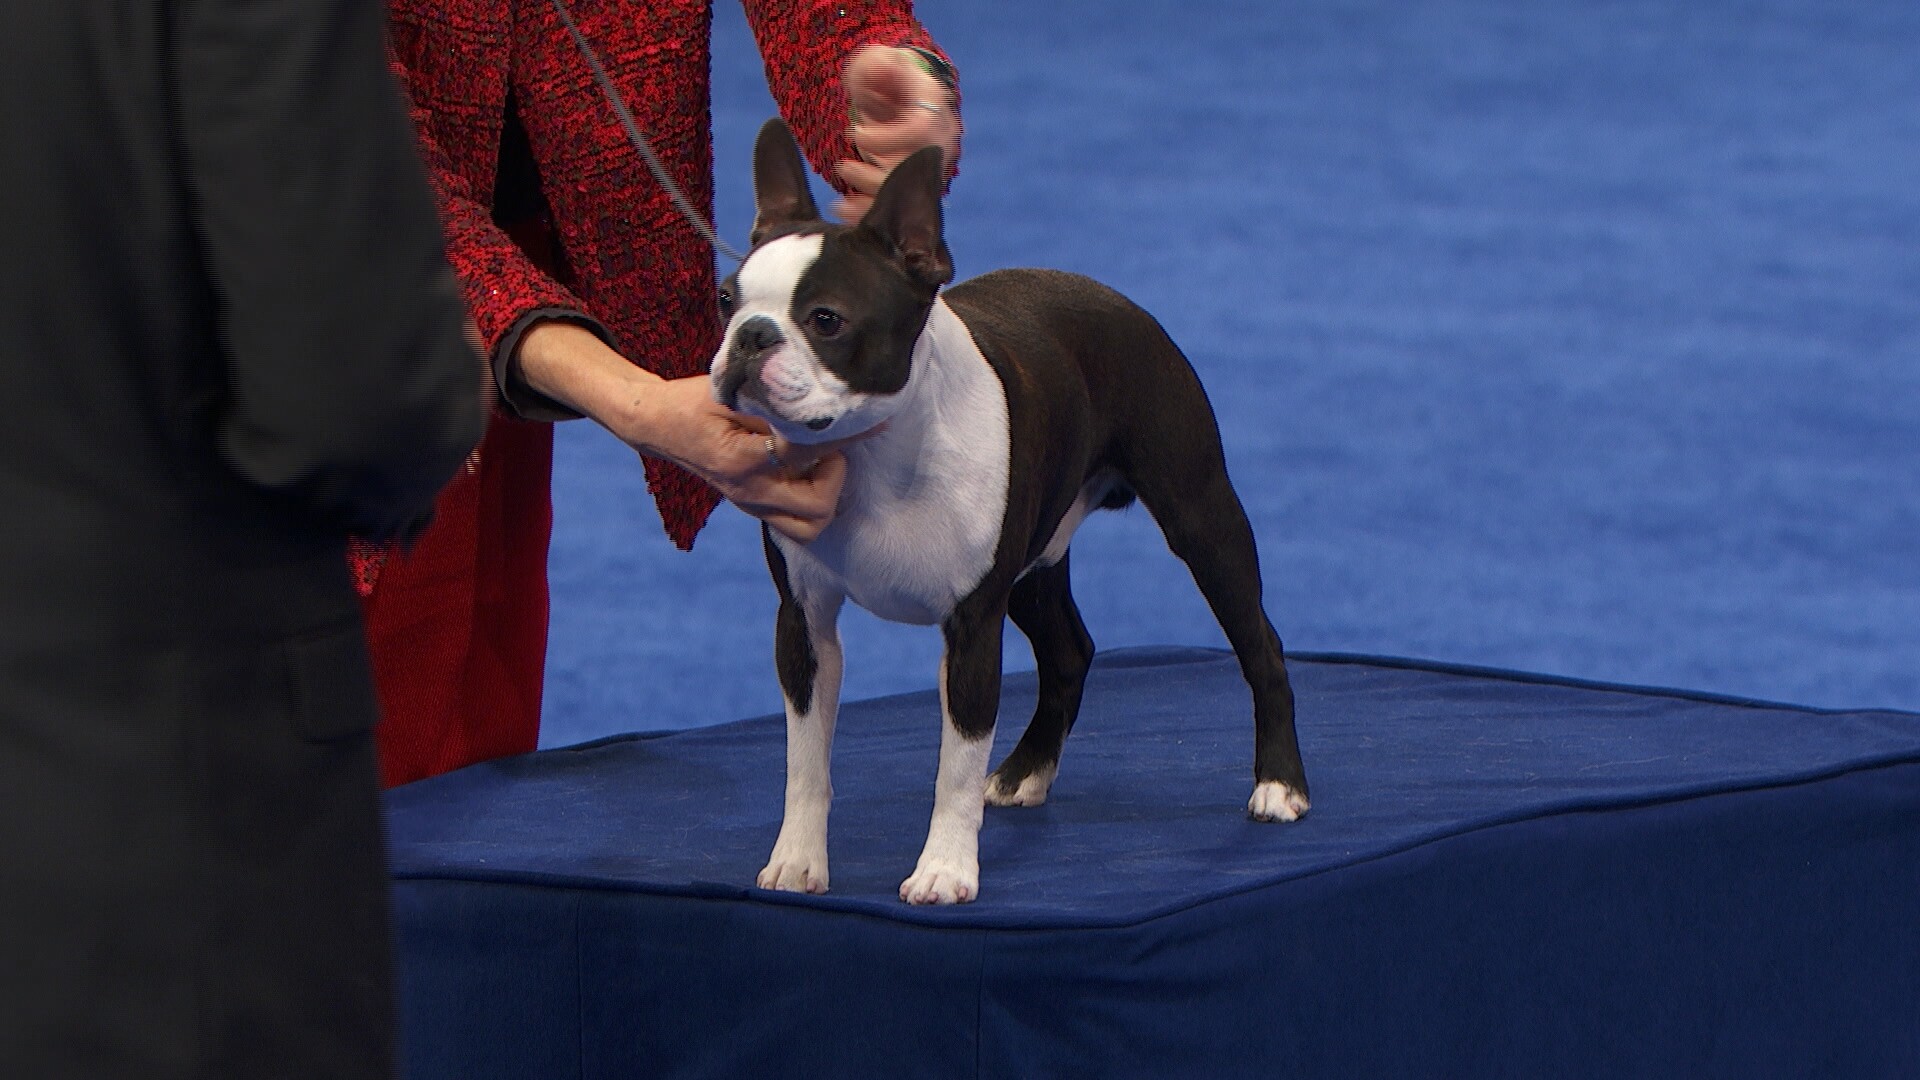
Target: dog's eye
{"type": "Point", "coordinates": [726, 303]}
{"type": "Point", "coordinates": [826, 323]}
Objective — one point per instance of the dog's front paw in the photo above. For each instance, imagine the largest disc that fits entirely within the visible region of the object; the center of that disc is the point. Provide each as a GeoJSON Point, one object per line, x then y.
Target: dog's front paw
{"type": "Point", "coordinates": [1275, 801]}
{"type": "Point", "coordinates": [942, 881]}
{"type": "Point", "coordinates": [795, 871]}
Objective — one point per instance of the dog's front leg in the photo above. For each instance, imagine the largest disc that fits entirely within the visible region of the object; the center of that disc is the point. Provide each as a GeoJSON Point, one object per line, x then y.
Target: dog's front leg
{"type": "Point", "coordinates": [949, 867]}
{"type": "Point", "coordinates": [807, 653]}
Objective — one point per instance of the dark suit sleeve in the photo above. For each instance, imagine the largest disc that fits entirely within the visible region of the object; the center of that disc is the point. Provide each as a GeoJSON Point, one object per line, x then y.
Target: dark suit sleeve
{"type": "Point", "coordinates": [353, 389]}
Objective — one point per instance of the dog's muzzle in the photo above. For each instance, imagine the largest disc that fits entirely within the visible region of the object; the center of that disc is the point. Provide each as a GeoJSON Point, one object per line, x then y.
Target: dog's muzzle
{"type": "Point", "coordinates": [752, 341]}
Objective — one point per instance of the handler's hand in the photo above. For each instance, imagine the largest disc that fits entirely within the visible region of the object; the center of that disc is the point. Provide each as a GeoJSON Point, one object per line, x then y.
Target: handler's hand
{"type": "Point", "coordinates": [897, 107]}
{"type": "Point", "coordinates": [795, 489]}
{"type": "Point", "coordinates": [677, 419]}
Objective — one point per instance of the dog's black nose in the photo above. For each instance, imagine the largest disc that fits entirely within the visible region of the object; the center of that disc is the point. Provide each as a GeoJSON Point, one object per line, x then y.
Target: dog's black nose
{"type": "Point", "coordinates": [756, 336]}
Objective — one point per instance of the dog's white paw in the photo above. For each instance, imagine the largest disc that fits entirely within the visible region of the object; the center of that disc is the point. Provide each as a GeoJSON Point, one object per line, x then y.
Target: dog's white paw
{"type": "Point", "coordinates": [1031, 791]}
{"type": "Point", "coordinates": [795, 871]}
{"type": "Point", "coordinates": [942, 881]}
{"type": "Point", "coordinates": [1275, 801]}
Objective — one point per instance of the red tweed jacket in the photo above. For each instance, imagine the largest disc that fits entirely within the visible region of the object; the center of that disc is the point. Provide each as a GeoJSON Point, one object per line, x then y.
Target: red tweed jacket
{"type": "Point", "coordinates": [457, 625]}
{"type": "Point", "coordinates": [630, 260]}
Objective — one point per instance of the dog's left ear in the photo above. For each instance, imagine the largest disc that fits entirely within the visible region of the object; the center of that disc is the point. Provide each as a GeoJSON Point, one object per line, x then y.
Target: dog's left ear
{"type": "Point", "coordinates": [906, 213]}
{"type": "Point", "coordinates": [780, 193]}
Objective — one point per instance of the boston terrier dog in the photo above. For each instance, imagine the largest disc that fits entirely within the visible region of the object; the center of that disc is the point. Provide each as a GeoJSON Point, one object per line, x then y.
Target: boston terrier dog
{"type": "Point", "coordinates": [1014, 404]}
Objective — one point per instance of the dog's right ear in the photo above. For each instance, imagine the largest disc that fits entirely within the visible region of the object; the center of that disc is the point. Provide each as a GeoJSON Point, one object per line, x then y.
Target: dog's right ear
{"type": "Point", "coordinates": [780, 192]}
{"type": "Point", "coordinates": [906, 214]}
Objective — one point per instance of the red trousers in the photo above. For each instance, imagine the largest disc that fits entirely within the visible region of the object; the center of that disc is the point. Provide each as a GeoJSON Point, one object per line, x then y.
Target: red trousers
{"type": "Point", "coordinates": [458, 624]}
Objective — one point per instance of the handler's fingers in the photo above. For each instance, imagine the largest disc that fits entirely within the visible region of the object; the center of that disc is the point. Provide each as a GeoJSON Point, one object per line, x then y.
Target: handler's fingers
{"type": "Point", "coordinates": [748, 421]}
{"type": "Point", "coordinates": [879, 81]}
{"type": "Point", "coordinates": [797, 460]}
{"type": "Point", "coordinates": [808, 503]}
{"type": "Point", "coordinates": [823, 479]}
{"type": "Point", "coordinates": [852, 209]}
{"type": "Point", "coordinates": [862, 176]}
{"type": "Point", "coordinates": [793, 528]}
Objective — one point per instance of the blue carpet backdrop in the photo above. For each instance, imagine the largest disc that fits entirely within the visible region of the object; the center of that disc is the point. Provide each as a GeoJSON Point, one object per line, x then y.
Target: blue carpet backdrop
{"type": "Point", "coordinates": [1576, 338]}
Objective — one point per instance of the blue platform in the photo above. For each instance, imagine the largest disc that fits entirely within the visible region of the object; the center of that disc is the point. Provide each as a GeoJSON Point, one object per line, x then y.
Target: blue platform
{"type": "Point", "coordinates": [1501, 877]}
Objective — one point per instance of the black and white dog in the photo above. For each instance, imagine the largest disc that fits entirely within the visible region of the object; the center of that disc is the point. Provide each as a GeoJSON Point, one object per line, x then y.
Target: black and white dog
{"type": "Point", "coordinates": [1015, 403]}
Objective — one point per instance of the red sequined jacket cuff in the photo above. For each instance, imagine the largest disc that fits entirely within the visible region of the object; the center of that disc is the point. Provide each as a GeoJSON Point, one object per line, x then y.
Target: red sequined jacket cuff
{"type": "Point", "coordinates": [806, 45]}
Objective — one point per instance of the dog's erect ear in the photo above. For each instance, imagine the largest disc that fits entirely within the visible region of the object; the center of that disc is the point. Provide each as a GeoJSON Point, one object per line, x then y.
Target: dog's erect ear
{"type": "Point", "coordinates": [780, 194]}
{"type": "Point", "coordinates": [907, 215]}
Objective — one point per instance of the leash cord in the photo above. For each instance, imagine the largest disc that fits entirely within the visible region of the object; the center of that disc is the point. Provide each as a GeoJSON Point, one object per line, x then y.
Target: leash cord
{"type": "Point", "coordinates": [639, 141]}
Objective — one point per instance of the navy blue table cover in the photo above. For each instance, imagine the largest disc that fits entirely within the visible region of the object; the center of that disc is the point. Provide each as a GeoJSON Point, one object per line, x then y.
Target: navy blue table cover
{"type": "Point", "coordinates": [1503, 875]}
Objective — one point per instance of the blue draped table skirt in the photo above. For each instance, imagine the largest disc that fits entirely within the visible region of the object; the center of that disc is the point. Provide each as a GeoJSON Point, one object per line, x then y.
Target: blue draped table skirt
{"type": "Point", "coordinates": [1502, 876]}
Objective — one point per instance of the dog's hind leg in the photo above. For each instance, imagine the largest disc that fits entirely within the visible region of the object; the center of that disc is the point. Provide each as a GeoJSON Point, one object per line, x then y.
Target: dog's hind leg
{"type": "Point", "coordinates": [1042, 607]}
{"type": "Point", "coordinates": [1190, 497]}
{"type": "Point", "coordinates": [808, 657]}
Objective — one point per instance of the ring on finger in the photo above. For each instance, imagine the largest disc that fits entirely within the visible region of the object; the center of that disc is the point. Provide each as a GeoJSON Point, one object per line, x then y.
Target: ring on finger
{"type": "Point", "coordinates": [773, 454]}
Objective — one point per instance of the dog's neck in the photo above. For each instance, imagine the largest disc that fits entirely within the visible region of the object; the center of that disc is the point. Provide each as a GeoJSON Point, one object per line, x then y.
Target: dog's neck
{"type": "Point", "coordinates": [948, 392]}
{"type": "Point", "coordinates": [920, 517]}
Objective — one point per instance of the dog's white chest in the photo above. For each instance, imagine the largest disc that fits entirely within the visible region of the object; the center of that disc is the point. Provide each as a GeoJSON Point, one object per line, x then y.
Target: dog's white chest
{"type": "Point", "coordinates": [921, 516]}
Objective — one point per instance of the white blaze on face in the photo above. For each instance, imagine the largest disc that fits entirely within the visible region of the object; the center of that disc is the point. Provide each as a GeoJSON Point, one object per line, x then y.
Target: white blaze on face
{"type": "Point", "coordinates": [770, 275]}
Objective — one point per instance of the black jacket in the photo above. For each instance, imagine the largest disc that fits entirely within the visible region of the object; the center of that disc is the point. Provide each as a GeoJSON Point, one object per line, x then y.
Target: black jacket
{"type": "Point", "coordinates": [228, 337]}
